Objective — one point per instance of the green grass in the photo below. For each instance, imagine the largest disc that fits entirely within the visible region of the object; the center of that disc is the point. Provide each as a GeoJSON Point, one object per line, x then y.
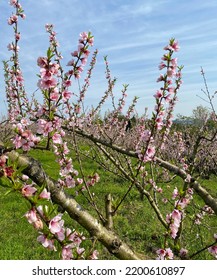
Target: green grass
{"type": "Point", "coordinates": [135, 221]}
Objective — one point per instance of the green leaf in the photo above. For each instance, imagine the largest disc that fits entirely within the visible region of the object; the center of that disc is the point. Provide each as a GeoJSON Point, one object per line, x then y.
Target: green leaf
{"type": "Point", "coordinates": [50, 54]}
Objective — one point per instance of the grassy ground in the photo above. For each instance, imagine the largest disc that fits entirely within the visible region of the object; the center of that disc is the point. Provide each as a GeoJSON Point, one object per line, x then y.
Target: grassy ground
{"type": "Point", "coordinates": [136, 223]}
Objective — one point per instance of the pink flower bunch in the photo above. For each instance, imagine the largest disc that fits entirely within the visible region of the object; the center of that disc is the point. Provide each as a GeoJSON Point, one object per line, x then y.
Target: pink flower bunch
{"type": "Point", "coordinates": [93, 180]}
{"type": "Point", "coordinates": [28, 190]}
{"type": "Point", "coordinates": [173, 46]}
{"type": "Point", "coordinates": [74, 241]}
{"type": "Point", "coordinates": [164, 254]}
{"type": "Point", "coordinates": [204, 211]}
{"type": "Point", "coordinates": [174, 221]}
{"type": "Point", "coordinates": [80, 55]}
{"type": "Point", "coordinates": [34, 219]}
{"type": "Point", "coordinates": [56, 227]}
{"type": "Point", "coordinates": [167, 93]}
{"type": "Point", "coordinates": [24, 138]}
{"type": "Point", "coordinates": [53, 40]}
{"type": "Point", "coordinates": [69, 241]}
{"type": "Point", "coordinates": [48, 75]}
{"type": "Point", "coordinates": [19, 12]}
{"type": "Point", "coordinates": [47, 243]}
{"type": "Point", "coordinates": [46, 127]}
{"type": "Point", "coordinates": [45, 194]}
{"type": "Point", "coordinates": [148, 155]}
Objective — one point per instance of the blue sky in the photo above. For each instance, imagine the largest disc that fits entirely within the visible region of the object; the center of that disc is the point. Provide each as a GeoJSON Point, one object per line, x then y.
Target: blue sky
{"type": "Point", "coordinates": [131, 33]}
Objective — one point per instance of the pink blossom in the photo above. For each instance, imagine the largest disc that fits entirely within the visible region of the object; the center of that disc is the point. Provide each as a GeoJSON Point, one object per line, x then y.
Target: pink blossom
{"type": "Point", "coordinates": [28, 190]}
{"type": "Point", "coordinates": [171, 72]}
{"type": "Point", "coordinates": [66, 95]}
{"type": "Point", "coordinates": [173, 46]}
{"type": "Point", "coordinates": [84, 36]}
{"type": "Point", "coordinates": [23, 16]}
{"type": "Point", "coordinates": [8, 171]}
{"type": "Point", "coordinates": [47, 243]}
{"type": "Point", "coordinates": [75, 53]}
{"type": "Point", "coordinates": [83, 61]}
{"type": "Point", "coordinates": [71, 62]}
{"type": "Point", "coordinates": [90, 40]}
{"type": "Point", "coordinates": [175, 193]}
{"type": "Point", "coordinates": [45, 194]}
{"type": "Point", "coordinates": [162, 65]}
{"type": "Point", "coordinates": [47, 83]}
{"type": "Point", "coordinates": [79, 181]}
{"type": "Point", "coordinates": [174, 62]}
{"type": "Point", "coordinates": [161, 78]}
{"type": "Point", "coordinates": [159, 190]}
{"type": "Point", "coordinates": [171, 90]}
{"type": "Point", "coordinates": [164, 254]}
{"type": "Point", "coordinates": [57, 138]}
{"type": "Point", "coordinates": [74, 237]}
{"type": "Point", "coordinates": [67, 83]}
{"type": "Point", "coordinates": [150, 152]}
{"type": "Point", "coordinates": [44, 127]}
{"type": "Point", "coordinates": [25, 177]}
{"type": "Point", "coordinates": [158, 94]}
{"type": "Point", "coordinates": [70, 181]}
{"type": "Point", "coordinates": [159, 123]}
{"type": "Point", "coordinates": [61, 234]}
{"type": "Point", "coordinates": [80, 251]}
{"type": "Point", "coordinates": [13, 3]}
{"type": "Point", "coordinates": [67, 252]}
{"type": "Point", "coordinates": [42, 62]}
{"type": "Point", "coordinates": [188, 178]}
{"type": "Point", "coordinates": [10, 47]}
{"type": "Point", "coordinates": [181, 204]}
{"type": "Point", "coordinates": [12, 19]}
{"type": "Point", "coordinates": [145, 135]}
{"type": "Point", "coordinates": [34, 219]}
{"type": "Point", "coordinates": [56, 224]}
{"type": "Point", "coordinates": [174, 220]}
{"type": "Point", "coordinates": [54, 96]}
{"type": "Point", "coordinates": [165, 200]}
{"type": "Point", "coordinates": [17, 36]}
{"type": "Point", "coordinates": [94, 255]}
{"type": "Point", "coordinates": [31, 216]}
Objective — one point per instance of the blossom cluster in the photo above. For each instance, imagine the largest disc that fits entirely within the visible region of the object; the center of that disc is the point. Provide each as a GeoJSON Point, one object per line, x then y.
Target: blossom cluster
{"type": "Point", "coordinates": [80, 55]}
{"type": "Point", "coordinates": [24, 138]}
{"type": "Point", "coordinates": [52, 230]}
{"type": "Point", "coordinates": [168, 91]}
{"type": "Point", "coordinates": [166, 95]}
{"type": "Point", "coordinates": [164, 254]}
{"type": "Point", "coordinates": [174, 219]}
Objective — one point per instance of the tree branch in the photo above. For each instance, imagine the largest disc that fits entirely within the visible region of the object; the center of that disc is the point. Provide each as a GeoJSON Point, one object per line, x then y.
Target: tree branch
{"type": "Point", "coordinates": [207, 198]}
{"type": "Point", "coordinates": [109, 239]}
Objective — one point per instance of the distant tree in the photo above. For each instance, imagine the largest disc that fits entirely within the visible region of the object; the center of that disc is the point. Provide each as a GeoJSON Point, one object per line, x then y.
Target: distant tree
{"type": "Point", "coordinates": [200, 115]}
